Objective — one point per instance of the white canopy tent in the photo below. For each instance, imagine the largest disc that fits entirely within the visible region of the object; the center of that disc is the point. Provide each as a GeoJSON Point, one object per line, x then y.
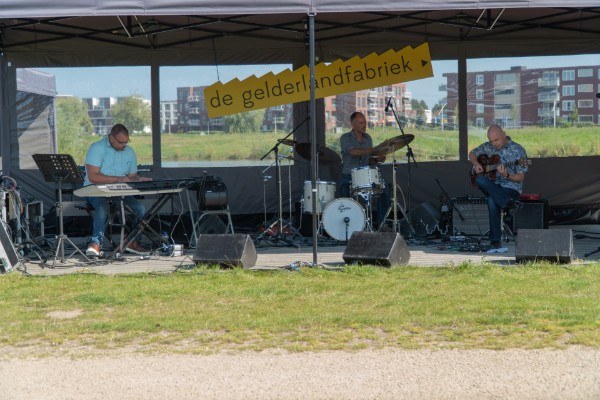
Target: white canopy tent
{"type": "Point", "coordinates": [162, 32]}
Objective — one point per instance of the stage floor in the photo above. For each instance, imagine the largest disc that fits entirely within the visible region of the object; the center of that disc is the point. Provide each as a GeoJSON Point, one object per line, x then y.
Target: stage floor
{"type": "Point", "coordinates": [278, 255]}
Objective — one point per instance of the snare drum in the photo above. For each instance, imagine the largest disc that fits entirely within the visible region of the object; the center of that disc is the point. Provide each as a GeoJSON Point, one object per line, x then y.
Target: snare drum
{"type": "Point", "coordinates": [343, 216]}
{"type": "Point", "coordinates": [366, 179]}
{"type": "Point", "coordinates": [325, 194]}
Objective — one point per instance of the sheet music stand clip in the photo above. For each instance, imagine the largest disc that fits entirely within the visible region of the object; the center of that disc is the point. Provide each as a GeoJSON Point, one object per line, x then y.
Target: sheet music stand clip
{"type": "Point", "coordinates": [60, 168]}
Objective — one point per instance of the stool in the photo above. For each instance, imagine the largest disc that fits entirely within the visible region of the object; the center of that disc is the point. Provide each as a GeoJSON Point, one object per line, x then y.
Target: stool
{"type": "Point", "coordinates": [506, 233]}
{"type": "Point", "coordinates": [110, 221]}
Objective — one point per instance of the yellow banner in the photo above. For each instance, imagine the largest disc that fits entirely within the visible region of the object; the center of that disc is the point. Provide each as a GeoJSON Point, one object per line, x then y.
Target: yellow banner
{"type": "Point", "coordinates": [338, 77]}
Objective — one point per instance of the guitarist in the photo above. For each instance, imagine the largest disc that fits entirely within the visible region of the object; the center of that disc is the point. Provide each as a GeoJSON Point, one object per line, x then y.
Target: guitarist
{"type": "Point", "coordinates": [502, 185]}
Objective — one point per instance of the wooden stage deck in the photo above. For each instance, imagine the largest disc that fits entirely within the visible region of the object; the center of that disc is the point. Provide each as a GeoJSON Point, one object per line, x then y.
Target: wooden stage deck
{"type": "Point", "coordinates": [273, 256]}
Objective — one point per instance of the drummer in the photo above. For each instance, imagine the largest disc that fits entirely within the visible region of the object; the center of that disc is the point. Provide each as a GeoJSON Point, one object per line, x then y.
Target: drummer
{"type": "Point", "coordinates": [357, 146]}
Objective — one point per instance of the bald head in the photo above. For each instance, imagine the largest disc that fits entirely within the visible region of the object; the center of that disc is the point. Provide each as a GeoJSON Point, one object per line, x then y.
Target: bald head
{"type": "Point", "coordinates": [496, 136]}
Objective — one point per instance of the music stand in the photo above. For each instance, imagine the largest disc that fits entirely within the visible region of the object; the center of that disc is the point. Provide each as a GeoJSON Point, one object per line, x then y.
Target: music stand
{"type": "Point", "coordinates": [59, 168]}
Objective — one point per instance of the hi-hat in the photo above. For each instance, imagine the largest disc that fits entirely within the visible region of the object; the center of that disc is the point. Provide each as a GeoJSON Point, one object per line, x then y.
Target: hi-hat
{"type": "Point", "coordinates": [391, 145]}
{"type": "Point", "coordinates": [324, 154]}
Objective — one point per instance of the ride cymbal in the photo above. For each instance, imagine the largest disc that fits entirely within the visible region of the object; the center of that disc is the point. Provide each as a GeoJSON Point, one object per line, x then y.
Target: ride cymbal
{"type": "Point", "coordinates": [391, 145]}
{"type": "Point", "coordinates": [325, 155]}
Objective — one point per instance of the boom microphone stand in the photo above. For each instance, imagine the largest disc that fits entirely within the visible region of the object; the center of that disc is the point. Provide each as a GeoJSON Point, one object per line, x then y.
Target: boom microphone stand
{"type": "Point", "coordinates": [409, 155]}
{"type": "Point", "coordinates": [278, 223]}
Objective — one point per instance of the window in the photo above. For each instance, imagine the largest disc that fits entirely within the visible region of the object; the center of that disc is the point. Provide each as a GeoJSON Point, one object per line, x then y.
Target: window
{"type": "Point", "coordinates": [479, 94]}
{"type": "Point", "coordinates": [479, 122]}
{"type": "Point", "coordinates": [568, 75]}
{"type": "Point", "coordinates": [586, 118]}
{"type": "Point", "coordinates": [568, 90]}
{"type": "Point", "coordinates": [479, 79]}
{"type": "Point", "coordinates": [585, 88]}
{"type": "Point", "coordinates": [504, 77]}
{"type": "Point", "coordinates": [550, 75]}
{"type": "Point", "coordinates": [479, 108]}
{"type": "Point", "coordinates": [502, 106]}
{"type": "Point", "coordinates": [504, 92]}
{"type": "Point", "coordinates": [585, 73]}
{"type": "Point", "coordinates": [568, 105]}
{"type": "Point", "coordinates": [585, 103]}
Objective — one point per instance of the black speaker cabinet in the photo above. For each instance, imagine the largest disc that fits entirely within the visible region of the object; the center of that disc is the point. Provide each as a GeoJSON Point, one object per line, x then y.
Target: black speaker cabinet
{"type": "Point", "coordinates": [425, 219]}
{"type": "Point", "coordinates": [234, 250]}
{"type": "Point", "coordinates": [470, 215]}
{"type": "Point", "coordinates": [8, 255]}
{"type": "Point", "coordinates": [554, 245]}
{"type": "Point", "coordinates": [532, 215]}
{"type": "Point", "coordinates": [378, 248]}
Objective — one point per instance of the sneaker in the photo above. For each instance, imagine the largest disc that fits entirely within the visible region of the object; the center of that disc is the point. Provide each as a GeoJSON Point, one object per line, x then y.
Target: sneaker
{"type": "Point", "coordinates": [136, 248]}
{"type": "Point", "coordinates": [495, 244]}
{"type": "Point", "coordinates": [93, 250]}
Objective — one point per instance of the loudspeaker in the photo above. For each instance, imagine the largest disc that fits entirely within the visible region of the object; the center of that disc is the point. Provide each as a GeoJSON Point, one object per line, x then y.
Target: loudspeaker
{"type": "Point", "coordinates": [425, 218]}
{"type": "Point", "coordinates": [532, 215]}
{"type": "Point", "coordinates": [544, 244]}
{"type": "Point", "coordinates": [470, 215]}
{"type": "Point", "coordinates": [8, 255]}
{"type": "Point", "coordinates": [379, 248]}
{"type": "Point", "coordinates": [234, 250]}
{"type": "Point", "coordinates": [212, 224]}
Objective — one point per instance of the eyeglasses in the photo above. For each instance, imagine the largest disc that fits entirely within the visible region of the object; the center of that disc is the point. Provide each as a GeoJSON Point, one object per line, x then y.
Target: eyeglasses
{"type": "Point", "coordinates": [121, 143]}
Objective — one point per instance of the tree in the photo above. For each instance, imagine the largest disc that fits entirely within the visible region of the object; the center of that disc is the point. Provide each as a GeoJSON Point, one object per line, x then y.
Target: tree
{"type": "Point", "coordinates": [250, 121]}
{"type": "Point", "coordinates": [132, 112]}
{"type": "Point", "coordinates": [73, 125]}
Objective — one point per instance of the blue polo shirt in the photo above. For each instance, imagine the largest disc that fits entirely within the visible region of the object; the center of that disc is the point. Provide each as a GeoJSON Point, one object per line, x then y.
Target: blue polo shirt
{"type": "Point", "coordinates": [111, 162]}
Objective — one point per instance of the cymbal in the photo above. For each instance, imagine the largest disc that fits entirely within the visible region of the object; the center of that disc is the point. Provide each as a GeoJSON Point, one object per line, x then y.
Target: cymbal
{"type": "Point", "coordinates": [287, 142]}
{"type": "Point", "coordinates": [391, 145]}
{"type": "Point", "coordinates": [324, 154]}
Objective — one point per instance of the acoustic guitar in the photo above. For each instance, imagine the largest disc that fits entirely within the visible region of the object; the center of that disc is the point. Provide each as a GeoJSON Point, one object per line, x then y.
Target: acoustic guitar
{"type": "Point", "coordinates": [491, 164]}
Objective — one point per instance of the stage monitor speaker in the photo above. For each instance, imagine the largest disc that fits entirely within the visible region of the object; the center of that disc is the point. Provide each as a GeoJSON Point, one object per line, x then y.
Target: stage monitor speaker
{"type": "Point", "coordinates": [378, 248]}
{"type": "Point", "coordinates": [231, 250]}
{"type": "Point", "coordinates": [8, 255]}
{"type": "Point", "coordinates": [532, 215]}
{"type": "Point", "coordinates": [425, 219]}
{"type": "Point", "coordinates": [470, 215]}
{"type": "Point", "coordinates": [554, 245]}
{"type": "Point", "coordinates": [212, 224]}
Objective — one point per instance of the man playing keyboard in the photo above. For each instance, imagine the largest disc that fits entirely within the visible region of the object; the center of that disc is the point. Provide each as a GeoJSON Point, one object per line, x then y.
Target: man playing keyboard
{"type": "Point", "coordinates": [110, 160]}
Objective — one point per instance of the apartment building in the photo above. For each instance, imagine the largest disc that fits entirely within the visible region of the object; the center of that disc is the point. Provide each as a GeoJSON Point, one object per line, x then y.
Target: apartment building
{"type": "Point", "coordinates": [527, 97]}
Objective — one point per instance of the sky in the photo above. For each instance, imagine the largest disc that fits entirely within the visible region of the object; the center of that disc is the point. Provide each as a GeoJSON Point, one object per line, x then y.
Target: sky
{"type": "Point", "coordinates": [126, 81]}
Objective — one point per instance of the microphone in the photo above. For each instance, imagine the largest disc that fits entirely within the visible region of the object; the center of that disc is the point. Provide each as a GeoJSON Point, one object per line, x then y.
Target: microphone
{"type": "Point", "coordinates": [346, 220]}
{"type": "Point", "coordinates": [389, 104]}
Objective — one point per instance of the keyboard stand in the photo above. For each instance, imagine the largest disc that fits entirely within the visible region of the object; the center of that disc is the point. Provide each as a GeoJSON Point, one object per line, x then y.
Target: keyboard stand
{"type": "Point", "coordinates": [142, 224]}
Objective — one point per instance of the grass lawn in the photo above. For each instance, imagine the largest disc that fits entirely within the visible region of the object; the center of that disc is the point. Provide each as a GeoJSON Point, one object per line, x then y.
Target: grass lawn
{"type": "Point", "coordinates": [207, 310]}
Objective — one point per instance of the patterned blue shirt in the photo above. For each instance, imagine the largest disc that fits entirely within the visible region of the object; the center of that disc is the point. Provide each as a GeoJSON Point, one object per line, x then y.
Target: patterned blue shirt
{"type": "Point", "coordinates": [510, 152]}
{"type": "Point", "coordinates": [111, 162]}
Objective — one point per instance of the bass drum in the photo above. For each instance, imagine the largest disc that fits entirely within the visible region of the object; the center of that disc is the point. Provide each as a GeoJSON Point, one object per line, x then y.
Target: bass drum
{"type": "Point", "coordinates": [213, 195]}
{"type": "Point", "coordinates": [342, 217]}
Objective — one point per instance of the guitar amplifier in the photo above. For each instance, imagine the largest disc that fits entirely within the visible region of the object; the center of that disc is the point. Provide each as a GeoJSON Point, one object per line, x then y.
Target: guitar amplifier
{"type": "Point", "coordinates": [470, 216]}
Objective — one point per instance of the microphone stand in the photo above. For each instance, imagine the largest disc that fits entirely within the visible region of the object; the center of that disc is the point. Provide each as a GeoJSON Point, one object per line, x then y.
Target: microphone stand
{"type": "Point", "coordinates": [279, 221]}
{"type": "Point", "coordinates": [409, 155]}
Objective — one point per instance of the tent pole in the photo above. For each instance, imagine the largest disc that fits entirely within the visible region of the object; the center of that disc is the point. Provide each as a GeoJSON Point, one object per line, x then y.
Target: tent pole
{"type": "Point", "coordinates": [313, 133]}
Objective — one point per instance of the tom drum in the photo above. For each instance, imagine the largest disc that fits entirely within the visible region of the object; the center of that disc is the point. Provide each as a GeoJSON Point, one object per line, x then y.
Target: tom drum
{"type": "Point", "coordinates": [325, 194]}
{"type": "Point", "coordinates": [366, 179]}
{"type": "Point", "coordinates": [343, 216]}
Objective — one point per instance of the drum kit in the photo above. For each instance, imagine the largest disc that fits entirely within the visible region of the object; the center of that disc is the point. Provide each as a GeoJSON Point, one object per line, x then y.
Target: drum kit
{"type": "Point", "coordinates": [338, 217]}
{"type": "Point", "coordinates": [343, 216]}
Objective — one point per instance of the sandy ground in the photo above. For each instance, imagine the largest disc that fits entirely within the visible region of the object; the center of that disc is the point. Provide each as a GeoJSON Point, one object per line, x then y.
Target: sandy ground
{"type": "Point", "coordinates": [382, 374]}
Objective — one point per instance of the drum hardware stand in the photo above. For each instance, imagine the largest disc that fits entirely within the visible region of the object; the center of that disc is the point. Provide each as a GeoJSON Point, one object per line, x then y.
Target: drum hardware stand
{"type": "Point", "coordinates": [409, 155]}
{"type": "Point", "coordinates": [278, 224]}
{"type": "Point", "coordinates": [367, 196]}
{"type": "Point", "coordinates": [60, 168]}
{"type": "Point", "coordinates": [396, 205]}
